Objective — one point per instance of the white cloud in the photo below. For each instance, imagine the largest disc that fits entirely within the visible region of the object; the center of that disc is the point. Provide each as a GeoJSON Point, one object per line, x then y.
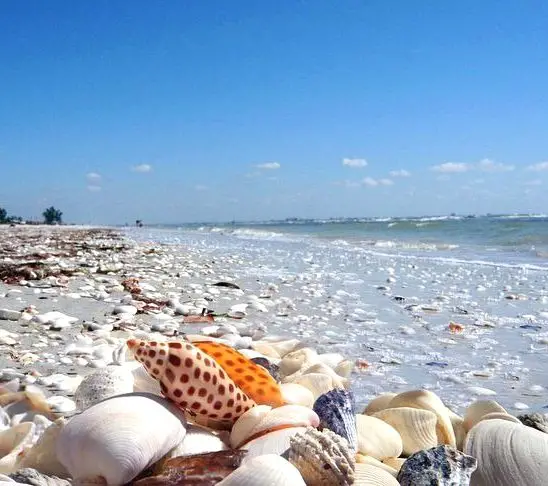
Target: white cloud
{"type": "Point", "coordinates": [534, 182]}
{"type": "Point", "coordinates": [268, 166]}
{"type": "Point", "coordinates": [348, 183]}
{"type": "Point", "coordinates": [93, 177]}
{"type": "Point", "coordinates": [538, 167]}
{"type": "Point", "coordinates": [488, 165]}
{"type": "Point", "coordinates": [141, 168]}
{"type": "Point", "coordinates": [369, 181]}
{"type": "Point", "coordinates": [451, 167]}
{"type": "Point", "coordinates": [94, 188]}
{"type": "Point", "coordinates": [400, 173]}
{"type": "Point", "coordinates": [200, 187]}
{"type": "Point", "coordinates": [355, 163]}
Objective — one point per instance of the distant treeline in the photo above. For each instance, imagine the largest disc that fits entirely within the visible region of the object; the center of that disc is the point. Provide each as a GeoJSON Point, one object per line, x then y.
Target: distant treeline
{"type": "Point", "coordinates": [50, 215]}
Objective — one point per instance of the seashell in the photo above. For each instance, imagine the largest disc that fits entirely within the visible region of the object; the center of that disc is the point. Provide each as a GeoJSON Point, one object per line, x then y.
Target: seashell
{"type": "Point", "coordinates": [203, 469]}
{"type": "Point", "coordinates": [42, 455]}
{"type": "Point", "coordinates": [336, 412]}
{"type": "Point", "coordinates": [198, 440]}
{"type": "Point", "coordinates": [35, 478]}
{"type": "Point", "coordinates": [143, 382]}
{"type": "Point", "coordinates": [12, 442]}
{"type": "Point", "coordinates": [295, 394]}
{"type": "Point", "coordinates": [441, 465]}
{"type": "Point", "coordinates": [508, 454]}
{"type": "Point", "coordinates": [500, 416]}
{"type": "Point", "coordinates": [192, 380]}
{"type": "Point", "coordinates": [114, 440]}
{"type": "Point", "coordinates": [478, 409]}
{"type": "Point", "coordinates": [345, 368]}
{"type": "Point", "coordinates": [264, 470]}
{"type": "Point", "coordinates": [296, 360]}
{"type": "Point", "coordinates": [378, 403]}
{"type": "Point", "coordinates": [322, 458]}
{"type": "Point", "coordinates": [272, 368]}
{"type": "Point", "coordinates": [427, 400]}
{"type": "Point", "coordinates": [376, 438]}
{"type": "Point", "coordinates": [330, 359]}
{"type": "Point", "coordinates": [263, 419]}
{"type": "Point", "coordinates": [272, 442]}
{"type": "Point", "coordinates": [101, 384]}
{"type": "Point", "coordinates": [317, 383]}
{"type": "Point", "coordinates": [360, 458]}
{"type": "Point", "coordinates": [416, 427]}
{"type": "Point", "coordinates": [266, 349]}
{"type": "Point", "coordinates": [322, 368]}
{"type": "Point", "coordinates": [537, 421]}
{"type": "Point", "coordinates": [458, 428]}
{"type": "Point", "coordinates": [395, 463]}
{"type": "Point", "coordinates": [368, 475]}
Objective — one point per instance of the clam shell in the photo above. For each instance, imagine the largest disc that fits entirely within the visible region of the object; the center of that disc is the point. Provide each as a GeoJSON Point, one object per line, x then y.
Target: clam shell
{"type": "Point", "coordinates": [295, 394]}
{"type": "Point", "coordinates": [416, 427]}
{"type": "Point", "coordinates": [508, 454]}
{"type": "Point", "coordinates": [427, 400]}
{"type": "Point", "coordinates": [336, 412]}
{"type": "Point", "coordinates": [275, 442]}
{"type": "Point", "coordinates": [296, 360]}
{"type": "Point", "coordinates": [317, 383]}
{"type": "Point", "coordinates": [12, 442]}
{"type": "Point", "coordinates": [379, 403]}
{"type": "Point", "coordinates": [500, 416]}
{"type": "Point", "coordinates": [116, 439]}
{"type": "Point", "coordinates": [376, 438]}
{"type": "Point", "coordinates": [103, 383]}
{"type": "Point", "coordinates": [458, 428]}
{"type": "Point", "coordinates": [323, 458]}
{"type": "Point", "coordinates": [345, 368]}
{"type": "Point", "coordinates": [265, 470]}
{"type": "Point", "coordinates": [478, 409]}
{"type": "Point", "coordinates": [368, 475]}
{"type": "Point", "coordinates": [375, 462]}
{"type": "Point", "coordinates": [198, 440]}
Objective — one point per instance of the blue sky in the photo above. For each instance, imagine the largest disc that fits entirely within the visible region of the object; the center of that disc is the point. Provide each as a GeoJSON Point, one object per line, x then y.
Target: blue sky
{"type": "Point", "coordinates": [175, 111]}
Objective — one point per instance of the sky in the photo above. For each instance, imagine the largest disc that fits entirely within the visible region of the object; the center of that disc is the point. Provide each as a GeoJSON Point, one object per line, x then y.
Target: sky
{"type": "Point", "coordinates": [186, 111]}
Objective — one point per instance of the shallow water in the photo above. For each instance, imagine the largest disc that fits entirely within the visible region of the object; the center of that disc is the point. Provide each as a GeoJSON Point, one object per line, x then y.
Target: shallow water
{"type": "Point", "coordinates": [343, 297]}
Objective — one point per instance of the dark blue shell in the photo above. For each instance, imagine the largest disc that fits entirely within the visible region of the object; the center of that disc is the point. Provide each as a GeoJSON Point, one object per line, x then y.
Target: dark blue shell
{"type": "Point", "coordinates": [336, 411]}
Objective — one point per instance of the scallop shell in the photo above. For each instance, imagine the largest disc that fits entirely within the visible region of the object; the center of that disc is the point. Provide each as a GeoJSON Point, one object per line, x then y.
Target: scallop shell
{"type": "Point", "coordinates": [427, 400]}
{"type": "Point", "coordinates": [478, 409]}
{"type": "Point", "coordinates": [317, 383]}
{"type": "Point", "coordinates": [103, 383]}
{"type": "Point", "coordinates": [273, 442]}
{"type": "Point", "coordinates": [416, 427]}
{"type": "Point", "coordinates": [360, 458]}
{"type": "Point", "coordinates": [368, 475]}
{"type": "Point", "coordinates": [263, 419]}
{"type": "Point", "coordinates": [12, 442]}
{"type": "Point", "coordinates": [323, 458]}
{"type": "Point", "coordinates": [116, 439]}
{"type": "Point", "coordinates": [379, 403]}
{"type": "Point", "coordinates": [270, 469]}
{"type": "Point", "coordinates": [508, 454]}
{"type": "Point", "coordinates": [500, 416]}
{"type": "Point", "coordinates": [336, 412]}
{"type": "Point", "coordinates": [376, 438]}
{"type": "Point", "coordinates": [296, 360]}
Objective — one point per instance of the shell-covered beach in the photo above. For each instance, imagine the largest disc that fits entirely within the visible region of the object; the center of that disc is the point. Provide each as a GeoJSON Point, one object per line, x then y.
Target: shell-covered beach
{"type": "Point", "coordinates": [328, 365]}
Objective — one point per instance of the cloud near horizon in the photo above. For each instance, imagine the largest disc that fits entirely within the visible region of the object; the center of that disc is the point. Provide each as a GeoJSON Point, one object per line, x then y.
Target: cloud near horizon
{"type": "Point", "coordinates": [541, 166]}
{"type": "Point", "coordinates": [142, 168]}
{"type": "Point", "coordinates": [488, 165]}
{"type": "Point", "coordinates": [354, 163]}
{"type": "Point", "coordinates": [400, 173]}
{"type": "Point", "coordinates": [451, 168]}
{"type": "Point", "coordinates": [268, 166]}
{"type": "Point", "coordinates": [370, 182]}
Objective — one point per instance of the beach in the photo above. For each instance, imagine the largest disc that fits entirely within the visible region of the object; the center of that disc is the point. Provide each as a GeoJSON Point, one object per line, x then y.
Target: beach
{"type": "Point", "coordinates": [386, 323]}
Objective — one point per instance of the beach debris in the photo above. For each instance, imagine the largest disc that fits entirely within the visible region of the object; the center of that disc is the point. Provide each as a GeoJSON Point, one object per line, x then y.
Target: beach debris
{"type": "Point", "coordinates": [537, 421]}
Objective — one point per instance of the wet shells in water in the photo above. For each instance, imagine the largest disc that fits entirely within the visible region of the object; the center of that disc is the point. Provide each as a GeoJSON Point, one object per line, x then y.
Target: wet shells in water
{"type": "Point", "coordinates": [295, 394]}
{"type": "Point", "coordinates": [323, 458]}
{"type": "Point", "coordinates": [441, 465]}
{"type": "Point", "coordinates": [265, 470]}
{"type": "Point", "coordinates": [427, 400]}
{"type": "Point", "coordinates": [379, 403]}
{"type": "Point", "coordinates": [116, 439]}
{"type": "Point", "coordinates": [508, 454]}
{"type": "Point", "coordinates": [336, 412]}
{"type": "Point", "coordinates": [203, 469]}
{"type": "Point", "coordinates": [12, 443]}
{"type": "Point", "coordinates": [368, 475]}
{"type": "Point", "coordinates": [42, 455]}
{"type": "Point", "coordinates": [416, 427]}
{"type": "Point", "coordinates": [263, 419]}
{"type": "Point", "coordinates": [478, 409]}
{"type": "Point", "coordinates": [104, 383]}
{"type": "Point", "coordinates": [376, 438]}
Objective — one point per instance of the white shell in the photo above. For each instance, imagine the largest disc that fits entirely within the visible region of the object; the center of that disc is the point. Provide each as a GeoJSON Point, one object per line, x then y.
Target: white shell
{"type": "Point", "coordinates": [104, 383]}
{"type": "Point", "coordinates": [276, 442]}
{"type": "Point", "coordinates": [270, 469]}
{"type": "Point", "coordinates": [12, 442]}
{"type": "Point", "coordinates": [116, 439]}
{"type": "Point", "coordinates": [198, 440]}
{"type": "Point", "coordinates": [317, 383]}
{"type": "Point", "coordinates": [379, 403]}
{"type": "Point", "coordinates": [297, 360]}
{"type": "Point", "coordinates": [427, 400]}
{"type": "Point", "coordinates": [369, 475]}
{"type": "Point", "coordinates": [376, 438]}
{"type": "Point", "coordinates": [508, 454]}
{"type": "Point", "coordinates": [295, 394]}
{"type": "Point", "coordinates": [478, 409]}
{"type": "Point", "coordinates": [416, 427]}
{"type": "Point", "coordinates": [360, 458]}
